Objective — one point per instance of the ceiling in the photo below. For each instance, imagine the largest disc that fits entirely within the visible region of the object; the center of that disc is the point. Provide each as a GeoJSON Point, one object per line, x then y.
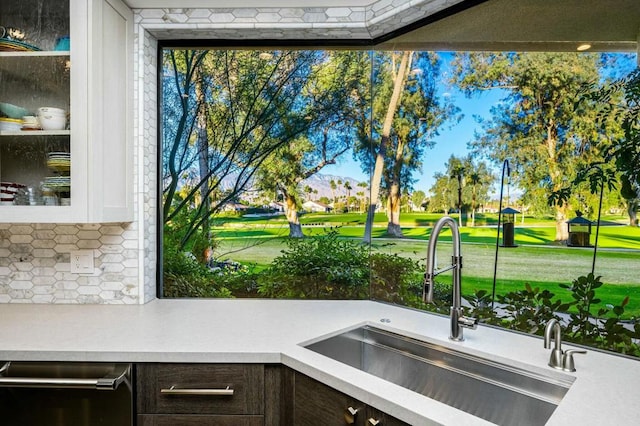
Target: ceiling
{"type": "Point", "coordinates": [546, 25]}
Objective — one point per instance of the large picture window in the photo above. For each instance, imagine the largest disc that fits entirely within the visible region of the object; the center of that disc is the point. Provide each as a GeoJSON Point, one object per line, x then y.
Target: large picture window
{"type": "Point", "coordinates": [293, 173]}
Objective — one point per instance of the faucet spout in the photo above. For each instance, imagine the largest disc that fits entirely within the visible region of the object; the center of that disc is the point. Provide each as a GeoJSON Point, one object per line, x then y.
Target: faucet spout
{"type": "Point", "coordinates": [553, 328]}
{"type": "Point", "coordinates": [458, 320]}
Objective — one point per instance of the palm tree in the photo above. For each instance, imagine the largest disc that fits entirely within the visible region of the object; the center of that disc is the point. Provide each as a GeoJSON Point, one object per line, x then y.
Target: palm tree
{"type": "Point", "coordinates": [333, 186]}
{"type": "Point", "coordinates": [364, 186]}
{"type": "Point", "coordinates": [348, 188]}
{"type": "Point", "coordinates": [308, 190]}
{"type": "Point", "coordinates": [360, 195]}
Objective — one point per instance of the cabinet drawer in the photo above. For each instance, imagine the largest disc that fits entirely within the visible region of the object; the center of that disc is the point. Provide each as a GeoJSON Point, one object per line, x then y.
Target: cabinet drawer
{"type": "Point", "coordinates": [246, 381]}
{"type": "Point", "coordinates": [197, 420]}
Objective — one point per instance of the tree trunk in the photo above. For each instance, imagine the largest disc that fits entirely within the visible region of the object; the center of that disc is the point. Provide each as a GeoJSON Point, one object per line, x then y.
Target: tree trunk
{"type": "Point", "coordinates": [394, 203]}
{"type": "Point", "coordinates": [295, 229]}
{"type": "Point", "coordinates": [376, 178]}
{"type": "Point", "coordinates": [632, 206]}
{"type": "Point", "coordinates": [393, 212]}
{"type": "Point", "coordinates": [562, 231]}
{"type": "Point", "coordinates": [459, 177]}
{"type": "Point", "coordinates": [473, 207]}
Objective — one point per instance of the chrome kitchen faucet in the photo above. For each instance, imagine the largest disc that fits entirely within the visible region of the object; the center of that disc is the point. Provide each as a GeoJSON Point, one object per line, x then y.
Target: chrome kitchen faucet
{"type": "Point", "coordinates": [458, 320]}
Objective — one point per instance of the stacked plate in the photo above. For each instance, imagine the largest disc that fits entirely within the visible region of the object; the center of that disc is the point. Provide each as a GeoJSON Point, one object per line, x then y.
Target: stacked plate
{"type": "Point", "coordinates": [8, 191]}
{"type": "Point", "coordinates": [10, 124]}
{"type": "Point", "coordinates": [59, 161]}
{"type": "Point", "coordinates": [7, 45]}
{"type": "Point", "coordinates": [57, 183]}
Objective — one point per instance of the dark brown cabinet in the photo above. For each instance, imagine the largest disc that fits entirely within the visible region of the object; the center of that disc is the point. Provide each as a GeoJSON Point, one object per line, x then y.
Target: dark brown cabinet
{"type": "Point", "coordinates": [244, 395]}
{"type": "Point", "coordinates": [316, 404]}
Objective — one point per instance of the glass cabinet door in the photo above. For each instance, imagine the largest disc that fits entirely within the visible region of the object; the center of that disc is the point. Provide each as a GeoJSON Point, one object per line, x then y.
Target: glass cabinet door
{"type": "Point", "coordinates": [35, 141]}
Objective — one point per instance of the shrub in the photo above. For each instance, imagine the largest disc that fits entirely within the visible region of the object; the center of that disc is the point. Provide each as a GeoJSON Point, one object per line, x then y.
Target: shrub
{"type": "Point", "coordinates": [529, 309]}
{"type": "Point", "coordinates": [482, 307]}
{"type": "Point", "coordinates": [318, 267]}
{"type": "Point", "coordinates": [396, 279]}
{"type": "Point", "coordinates": [400, 280]}
{"type": "Point", "coordinates": [184, 276]}
{"type": "Point", "coordinates": [606, 330]}
{"type": "Point", "coordinates": [242, 282]}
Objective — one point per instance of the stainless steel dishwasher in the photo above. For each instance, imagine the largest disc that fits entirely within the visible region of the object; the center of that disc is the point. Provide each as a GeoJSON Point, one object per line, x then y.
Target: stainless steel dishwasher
{"type": "Point", "coordinates": [65, 393]}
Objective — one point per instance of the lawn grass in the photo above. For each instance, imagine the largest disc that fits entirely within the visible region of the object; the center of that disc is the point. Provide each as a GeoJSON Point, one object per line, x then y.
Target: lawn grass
{"type": "Point", "coordinates": [611, 236]}
{"type": "Point", "coordinates": [537, 260]}
{"type": "Point", "coordinates": [543, 266]}
{"type": "Point", "coordinates": [409, 219]}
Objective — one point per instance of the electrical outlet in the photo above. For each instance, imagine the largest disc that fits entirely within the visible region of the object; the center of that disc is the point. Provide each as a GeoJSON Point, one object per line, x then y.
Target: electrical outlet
{"type": "Point", "coordinates": [82, 262]}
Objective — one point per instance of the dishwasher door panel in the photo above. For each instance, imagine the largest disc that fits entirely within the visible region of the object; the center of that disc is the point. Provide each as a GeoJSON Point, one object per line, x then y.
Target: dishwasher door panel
{"type": "Point", "coordinates": [69, 394]}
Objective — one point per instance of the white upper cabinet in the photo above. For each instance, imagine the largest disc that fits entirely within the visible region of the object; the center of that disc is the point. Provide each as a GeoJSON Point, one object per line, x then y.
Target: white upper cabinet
{"type": "Point", "coordinates": [66, 111]}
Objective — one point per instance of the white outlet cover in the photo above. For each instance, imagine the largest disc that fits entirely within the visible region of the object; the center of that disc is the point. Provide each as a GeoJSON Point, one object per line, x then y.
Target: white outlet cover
{"type": "Point", "coordinates": [82, 262]}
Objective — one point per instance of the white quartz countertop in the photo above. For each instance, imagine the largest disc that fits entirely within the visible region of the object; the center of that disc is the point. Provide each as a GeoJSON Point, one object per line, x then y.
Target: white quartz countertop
{"type": "Point", "coordinates": [605, 391]}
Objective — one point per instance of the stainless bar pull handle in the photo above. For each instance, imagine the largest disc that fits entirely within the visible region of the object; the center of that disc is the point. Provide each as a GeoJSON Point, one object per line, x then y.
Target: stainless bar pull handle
{"type": "Point", "coordinates": [109, 382]}
{"type": "Point", "coordinates": [186, 391]}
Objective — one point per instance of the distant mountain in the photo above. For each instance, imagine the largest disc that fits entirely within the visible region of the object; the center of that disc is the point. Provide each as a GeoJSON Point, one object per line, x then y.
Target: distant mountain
{"type": "Point", "coordinates": [322, 184]}
{"type": "Point", "coordinates": [318, 182]}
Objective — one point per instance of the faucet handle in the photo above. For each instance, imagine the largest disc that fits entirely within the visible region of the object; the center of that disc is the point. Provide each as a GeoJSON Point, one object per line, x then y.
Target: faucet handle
{"type": "Point", "coordinates": [567, 359]}
{"type": "Point", "coordinates": [468, 322]}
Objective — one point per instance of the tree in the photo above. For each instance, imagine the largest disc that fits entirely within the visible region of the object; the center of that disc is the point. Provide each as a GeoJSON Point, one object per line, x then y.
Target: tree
{"type": "Point", "coordinates": [447, 189]}
{"type": "Point", "coordinates": [480, 179]}
{"type": "Point", "coordinates": [404, 86]}
{"type": "Point", "coordinates": [331, 99]}
{"type": "Point", "coordinates": [252, 108]}
{"type": "Point", "coordinates": [441, 193]}
{"type": "Point", "coordinates": [308, 190]}
{"type": "Point", "coordinates": [619, 101]}
{"type": "Point", "coordinates": [363, 195]}
{"type": "Point", "coordinates": [457, 172]}
{"type": "Point", "coordinates": [418, 198]}
{"type": "Point", "coordinates": [324, 200]}
{"type": "Point", "coordinates": [348, 188]}
{"type": "Point", "coordinates": [333, 186]}
{"type": "Point", "coordinates": [536, 126]}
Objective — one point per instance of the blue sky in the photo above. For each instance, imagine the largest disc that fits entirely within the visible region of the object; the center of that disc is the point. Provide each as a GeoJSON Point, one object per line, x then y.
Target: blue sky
{"type": "Point", "coordinates": [454, 140]}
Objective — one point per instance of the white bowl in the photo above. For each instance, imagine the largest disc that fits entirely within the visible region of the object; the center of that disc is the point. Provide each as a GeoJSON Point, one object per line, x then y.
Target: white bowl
{"type": "Point", "coordinates": [52, 122]}
{"type": "Point", "coordinates": [51, 111]}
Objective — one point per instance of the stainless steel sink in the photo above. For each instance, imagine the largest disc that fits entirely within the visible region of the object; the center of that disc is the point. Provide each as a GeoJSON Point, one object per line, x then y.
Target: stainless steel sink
{"type": "Point", "coordinates": [496, 392]}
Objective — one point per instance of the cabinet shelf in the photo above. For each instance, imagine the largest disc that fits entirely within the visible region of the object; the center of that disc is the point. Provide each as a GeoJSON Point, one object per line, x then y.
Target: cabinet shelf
{"type": "Point", "coordinates": [32, 80]}
{"type": "Point", "coordinates": [39, 53]}
{"type": "Point", "coordinates": [37, 133]}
